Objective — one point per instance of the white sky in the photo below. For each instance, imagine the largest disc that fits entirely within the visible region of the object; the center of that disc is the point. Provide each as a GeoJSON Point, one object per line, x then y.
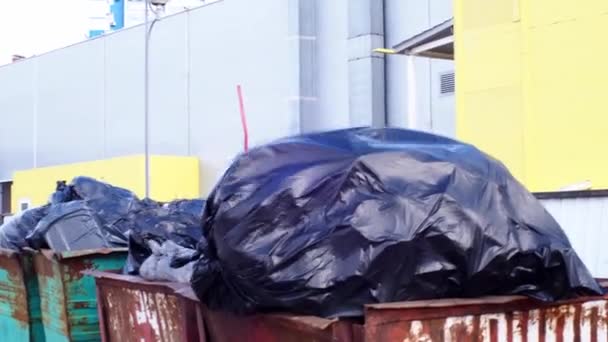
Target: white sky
{"type": "Point", "coordinates": [29, 27]}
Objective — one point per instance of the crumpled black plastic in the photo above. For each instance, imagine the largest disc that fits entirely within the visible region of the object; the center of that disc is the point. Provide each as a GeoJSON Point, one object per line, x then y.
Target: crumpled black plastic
{"type": "Point", "coordinates": [128, 221]}
{"type": "Point", "coordinates": [69, 226]}
{"type": "Point", "coordinates": [179, 221]}
{"type": "Point", "coordinates": [324, 223]}
{"type": "Point", "coordinates": [13, 233]}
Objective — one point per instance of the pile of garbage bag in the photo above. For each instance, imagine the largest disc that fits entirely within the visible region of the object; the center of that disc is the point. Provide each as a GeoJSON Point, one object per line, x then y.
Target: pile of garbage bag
{"type": "Point", "coordinates": [89, 214]}
{"type": "Point", "coordinates": [14, 231]}
{"type": "Point", "coordinates": [325, 223]}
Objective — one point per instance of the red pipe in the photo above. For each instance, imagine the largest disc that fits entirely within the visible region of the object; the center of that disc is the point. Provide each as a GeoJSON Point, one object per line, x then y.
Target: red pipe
{"type": "Point", "coordinates": [239, 93]}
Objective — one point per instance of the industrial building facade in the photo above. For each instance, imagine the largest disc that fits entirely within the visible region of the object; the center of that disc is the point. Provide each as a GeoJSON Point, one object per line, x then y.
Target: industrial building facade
{"type": "Point", "coordinates": [304, 65]}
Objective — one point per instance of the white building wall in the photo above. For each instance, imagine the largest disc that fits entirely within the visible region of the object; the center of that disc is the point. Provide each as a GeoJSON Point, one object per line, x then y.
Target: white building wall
{"type": "Point", "coordinates": [434, 112]}
{"type": "Point", "coordinates": [85, 102]}
{"type": "Point", "coordinates": [585, 222]}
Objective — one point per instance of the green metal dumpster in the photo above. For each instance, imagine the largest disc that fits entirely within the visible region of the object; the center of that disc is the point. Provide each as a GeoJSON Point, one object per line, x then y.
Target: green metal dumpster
{"type": "Point", "coordinates": [20, 314]}
{"type": "Point", "coordinates": [67, 297]}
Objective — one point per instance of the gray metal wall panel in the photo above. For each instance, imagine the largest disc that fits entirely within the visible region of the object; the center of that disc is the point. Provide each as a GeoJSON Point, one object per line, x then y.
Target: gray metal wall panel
{"type": "Point", "coordinates": [332, 65]}
{"type": "Point", "coordinates": [90, 96]}
{"type": "Point", "coordinates": [70, 95]}
{"type": "Point", "coordinates": [585, 221]}
{"type": "Point", "coordinates": [124, 92]}
{"type": "Point", "coordinates": [168, 79]}
{"type": "Point", "coordinates": [17, 104]}
{"type": "Point", "coordinates": [441, 10]}
{"type": "Point", "coordinates": [443, 107]}
{"type": "Point", "coordinates": [237, 42]}
{"type": "Point", "coordinates": [405, 18]}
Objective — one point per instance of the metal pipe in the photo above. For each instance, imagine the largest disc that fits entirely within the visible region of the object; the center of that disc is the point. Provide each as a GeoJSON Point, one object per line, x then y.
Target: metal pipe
{"type": "Point", "coordinates": [146, 105]}
{"type": "Point", "coordinates": [148, 34]}
{"type": "Point", "coordinates": [411, 93]}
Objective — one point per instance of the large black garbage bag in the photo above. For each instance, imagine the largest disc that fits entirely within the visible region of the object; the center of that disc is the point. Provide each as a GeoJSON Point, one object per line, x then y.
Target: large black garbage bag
{"type": "Point", "coordinates": [178, 221]}
{"type": "Point", "coordinates": [111, 203]}
{"type": "Point", "coordinates": [324, 223]}
{"type": "Point", "coordinates": [13, 233]}
{"type": "Point", "coordinates": [70, 226]}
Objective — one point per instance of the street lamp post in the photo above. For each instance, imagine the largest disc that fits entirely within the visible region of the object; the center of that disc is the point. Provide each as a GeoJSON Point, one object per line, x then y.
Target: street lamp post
{"type": "Point", "coordinates": [148, 32]}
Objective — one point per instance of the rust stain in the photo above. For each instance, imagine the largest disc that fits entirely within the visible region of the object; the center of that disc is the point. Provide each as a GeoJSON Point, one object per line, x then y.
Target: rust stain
{"type": "Point", "coordinates": [523, 325]}
{"type": "Point", "coordinates": [559, 327]}
{"type": "Point", "coordinates": [493, 330]}
{"type": "Point", "coordinates": [593, 322]}
{"type": "Point", "coordinates": [81, 305]}
{"type": "Point", "coordinates": [435, 329]}
{"type": "Point", "coordinates": [577, 322]}
{"type": "Point", "coordinates": [75, 267]}
{"type": "Point", "coordinates": [44, 266]}
{"type": "Point", "coordinates": [509, 319]}
{"type": "Point", "coordinates": [143, 314]}
{"type": "Point", "coordinates": [16, 277]}
{"type": "Point", "coordinates": [476, 327]}
{"type": "Point", "coordinates": [459, 332]}
{"type": "Point", "coordinates": [542, 326]}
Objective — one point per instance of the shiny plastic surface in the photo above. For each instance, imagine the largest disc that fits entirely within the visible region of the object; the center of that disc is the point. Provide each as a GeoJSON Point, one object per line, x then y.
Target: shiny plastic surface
{"type": "Point", "coordinates": [325, 223]}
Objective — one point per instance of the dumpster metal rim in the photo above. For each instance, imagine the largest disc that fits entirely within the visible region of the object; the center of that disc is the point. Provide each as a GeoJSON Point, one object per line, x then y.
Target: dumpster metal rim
{"type": "Point", "coordinates": [8, 252]}
{"type": "Point", "coordinates": [50, 254]}
{"type": "Point", "coordinates": [182, 290]}
{"type": "Point", "coordinates": [377, 314]}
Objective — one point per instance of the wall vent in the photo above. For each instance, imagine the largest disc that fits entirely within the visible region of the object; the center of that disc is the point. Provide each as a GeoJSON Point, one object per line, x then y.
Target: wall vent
{"type": "Point", "coordinates": [446, 83]}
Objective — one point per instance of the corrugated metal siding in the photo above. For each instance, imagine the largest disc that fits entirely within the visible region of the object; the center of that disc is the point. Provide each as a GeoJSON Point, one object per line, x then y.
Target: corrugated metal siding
{"type": "Point", "coordinates": [569, 322]}
{"type": "Point", "coordinates": [585, 221]}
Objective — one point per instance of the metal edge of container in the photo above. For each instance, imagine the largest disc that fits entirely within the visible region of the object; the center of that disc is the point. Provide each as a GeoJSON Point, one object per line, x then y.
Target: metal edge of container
{"type": "Point", "coordinates": [14, 304]}
{"type": "Point", "coordinates": [162, 310]}
{"type": "Point", "coordinates": [508, 318]}
{"type": "Point", "coordinates": [227, 327]}
{"type": "Point", "coordinates": [80, 253]}
{"type": "Point", "coordinates": [68, 300]}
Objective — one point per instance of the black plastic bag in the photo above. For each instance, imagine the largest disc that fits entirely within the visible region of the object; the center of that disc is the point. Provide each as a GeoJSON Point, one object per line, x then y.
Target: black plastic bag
{"type": "Point", "coordinates": [324, 223]}
{"type": "Point", "coordinates": [178, 221]}
{"type": "Point", "coordinates": [111, 203]}
{"type": "Point", "coordinates": [70, 226]}
{"type": "Point", "coordinates": [13, 233]}
{"type": "Point", "coordinates": [160, 265]}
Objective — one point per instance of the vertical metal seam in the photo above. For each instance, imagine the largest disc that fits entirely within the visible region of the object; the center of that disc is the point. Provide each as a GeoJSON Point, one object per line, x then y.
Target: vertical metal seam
{"type": "Point", "coordinates": [385, 60]}
{"type": "Point", "coordinates": [104, 94]}
{"type": "Point", "coordinates": [35, 80]}
{"type": "Point", "coordinates": [188, 89]}
{"type": "Point", "coordinates": [430, 61]}
{"type": "Point", "coordinates": [64, 298]}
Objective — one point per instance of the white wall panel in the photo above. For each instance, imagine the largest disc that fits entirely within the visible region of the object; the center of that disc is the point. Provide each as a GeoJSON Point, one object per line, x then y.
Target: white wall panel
{"type": "Point", "coordinates": [585, 221]}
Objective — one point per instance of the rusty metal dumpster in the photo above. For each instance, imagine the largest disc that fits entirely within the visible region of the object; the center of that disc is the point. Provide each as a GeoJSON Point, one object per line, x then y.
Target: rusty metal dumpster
{"type": "Point", "coordinates": [159, 310]}
{"type": "Point", "coordinates": [20, 316]}
{"type": "Point", "coordinates": [227, 327]}
{"type": "Point", "coordinates": [146, 311]}
{"type": "Point", "coordinates": [509, 318]}
{"type": "Point", "coordinates": [167, 312]}
{"type": "Point", "coordinates": [67, 297]}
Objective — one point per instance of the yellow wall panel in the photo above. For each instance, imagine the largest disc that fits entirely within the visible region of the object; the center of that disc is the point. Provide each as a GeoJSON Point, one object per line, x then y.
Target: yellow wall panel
{"type": "Point", "coordinates": [481, 52]}
{"type": "Point", "coordinates": [485, 13]}
{"type": "Point", "coordinates": [497, 131]}
{"type": "Point", "coordinates": [545, 86]}
{"type": "Point", "coordinates": [170, 178]}
{"type": "Point", "coordinates": [542, 13]}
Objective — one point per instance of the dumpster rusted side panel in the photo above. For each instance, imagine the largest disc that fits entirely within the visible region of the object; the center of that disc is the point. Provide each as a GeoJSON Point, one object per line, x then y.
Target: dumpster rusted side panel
{"type": "Point", "coordinates": [227, 327]}
{"type": "Point", "coordinates": [14, 313]}
{"type": "Point", "coordinates": [147, 311]}
{"type": "Point", "coordinates": [155, 311]}
{"type": "Point", "coordinates": [68, 298]}
{"type": "Point", "coordinates": [490, 319]}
